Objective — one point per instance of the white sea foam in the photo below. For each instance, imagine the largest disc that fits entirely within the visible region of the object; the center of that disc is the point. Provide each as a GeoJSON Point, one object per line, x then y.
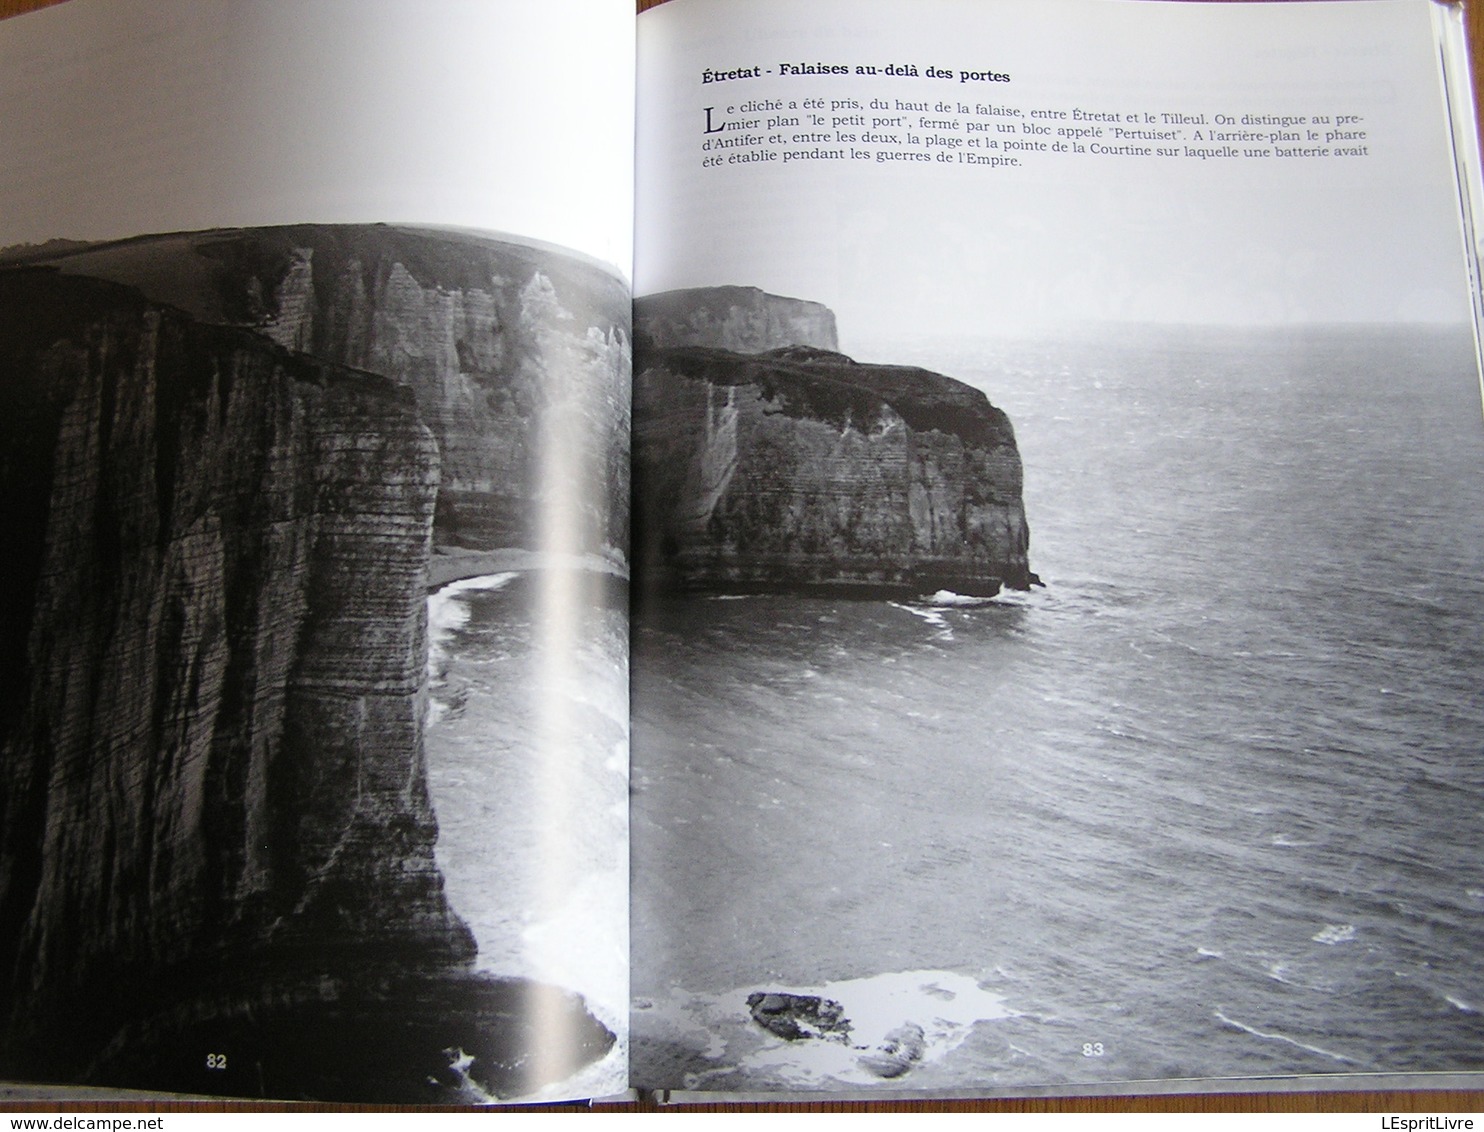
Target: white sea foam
{"type": "Point", "coordinates": [1276, 1037]}
{"type": "Point", "coordinates": [447, 614]}
{"type": "Point", "coordinates": [948, 597]}
{"type": "Point", "coordinates": [606, 1077]}
{"type": "Point", "coordinates": [1460, 1004]}
{"type": "Point", "coordinates": [561, 949]}
{"type": "Point", "coordinates": [1282, 972]}
{"type": "Point", "coordinates": [1015, 748]}
{"type": "Point", "coordinates": [932, 616]}
{"type": "Point", "coordinates": [479, 582]}
{"type": "Point", "coordinates": [1332, 934]}
{"type": "Point", "coordinates": [899, 1021]}
{"type": "Point", "coordinates": [556, 918]}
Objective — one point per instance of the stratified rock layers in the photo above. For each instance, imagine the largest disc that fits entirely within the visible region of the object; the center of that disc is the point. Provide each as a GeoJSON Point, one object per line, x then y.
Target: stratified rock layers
{"type": "Point", "coordinates": [798, 468]}
{"type": "Point", "coordinates": [212, 643]}
{"type": "Point", "coordinates": [517, 358]}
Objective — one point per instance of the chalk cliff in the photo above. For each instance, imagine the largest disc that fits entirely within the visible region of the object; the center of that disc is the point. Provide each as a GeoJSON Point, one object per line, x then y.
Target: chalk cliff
{"type": "Point", "coordinates": [514, 356]}
{"type": "Point", "coordinates": [212, 652]}
{"type": "Point", "coordinates": [798, 468]}
{"type": "Point", "coordinates": [225, 459]}
{"type": "Point", "coordinates": [742, 319]}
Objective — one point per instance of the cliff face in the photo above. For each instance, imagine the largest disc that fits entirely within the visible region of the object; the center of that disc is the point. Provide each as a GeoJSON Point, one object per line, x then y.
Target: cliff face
{"type": "Point", "coordinates": [516, 359]}
{"type": "Point", "coordinates": [801, 469]}
{"type": "Point", "coordinates": [744, 320]}
{"type": "Point", "coordinates": [211, 662]}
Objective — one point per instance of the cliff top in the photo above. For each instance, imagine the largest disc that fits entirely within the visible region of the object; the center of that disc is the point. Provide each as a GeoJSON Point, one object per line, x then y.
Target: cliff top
{"type": "Point", "coordinates": [828, 386]}
{"type": "Point", "coordinates": [207, 273]}
{"type": "Point", "coordinates": [745, 319]}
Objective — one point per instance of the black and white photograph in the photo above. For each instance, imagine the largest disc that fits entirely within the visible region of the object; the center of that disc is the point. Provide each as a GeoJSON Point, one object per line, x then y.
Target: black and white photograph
{"type": "Point", "coordinates": [1197, 793]}
{"type": "Point", "coordinates": [757, 551]}
{"type": "Point", "coordinates": [314, 638]}
{"type": "Point", "coordinates": [1057, 660]}
{"type": "Point", "coordinates": [314, 360]}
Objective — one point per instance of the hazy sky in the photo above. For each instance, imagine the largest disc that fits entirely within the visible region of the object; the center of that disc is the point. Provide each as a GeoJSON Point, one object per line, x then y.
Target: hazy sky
{"type": "Point", "coordinates": [119, 117]}
{"type": "Point", "coordinates": [129, 116]}
{"type": "Point", "coordinates": [947, 247]}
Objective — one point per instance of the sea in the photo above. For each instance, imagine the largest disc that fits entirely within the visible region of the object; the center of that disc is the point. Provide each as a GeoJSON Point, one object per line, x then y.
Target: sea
{"type": "Point", "coordinates": [1207, 804]}
{"type": "Point", "coordinates": [526, 739]}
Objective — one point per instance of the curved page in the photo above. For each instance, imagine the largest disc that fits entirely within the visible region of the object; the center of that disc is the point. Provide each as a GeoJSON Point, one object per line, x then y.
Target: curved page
{"type": "Point", "coordinates": [313, 749]}
{"type": "Point", "coordinates": [1057, 460]}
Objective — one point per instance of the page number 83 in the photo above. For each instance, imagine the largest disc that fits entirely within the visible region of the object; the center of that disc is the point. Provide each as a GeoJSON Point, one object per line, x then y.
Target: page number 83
{"type": "Point", "coordinates": [1092, 1049]}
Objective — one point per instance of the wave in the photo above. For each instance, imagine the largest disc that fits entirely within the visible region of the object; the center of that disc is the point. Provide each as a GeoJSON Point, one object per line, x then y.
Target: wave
{"type": "Point", "coordinates": [932, 616]}
{"type": "Point", "coordinates": [1332, 934]}
{"type": "Point", "coordinates": [1283, 972]}
{"type": "Point", "coordinates": [948, 597]}
{"type": "Point", "coordinates": [1277, 1037]}
{"type": "Point", "coordinates": [495, 703]}
{"type": "Point", "coordinates": [447, 614]}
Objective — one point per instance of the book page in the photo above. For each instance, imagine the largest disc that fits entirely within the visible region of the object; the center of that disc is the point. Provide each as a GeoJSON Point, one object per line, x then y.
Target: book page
{"type": "Point", "coordinates": [1057, 448]}
{"type": "Point", "coordinates": [313, 754]}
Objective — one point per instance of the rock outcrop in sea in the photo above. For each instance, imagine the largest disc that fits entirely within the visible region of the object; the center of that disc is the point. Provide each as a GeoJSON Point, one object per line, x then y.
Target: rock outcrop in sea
{"type": "Point", "coordinates": [789, 466]}
{"type": "Point", "coordinates": [225, 459]}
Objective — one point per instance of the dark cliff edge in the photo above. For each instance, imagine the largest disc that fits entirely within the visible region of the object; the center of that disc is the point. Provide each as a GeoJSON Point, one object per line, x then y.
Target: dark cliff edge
{"type": "Point", "coordinates": [794, 467]}
{"type": "Point", "coordinates": [216, 840]}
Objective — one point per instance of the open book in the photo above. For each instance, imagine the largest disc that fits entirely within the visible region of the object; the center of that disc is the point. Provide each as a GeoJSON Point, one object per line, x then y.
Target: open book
{"type": "Point", "coordinates": [1043, 650]}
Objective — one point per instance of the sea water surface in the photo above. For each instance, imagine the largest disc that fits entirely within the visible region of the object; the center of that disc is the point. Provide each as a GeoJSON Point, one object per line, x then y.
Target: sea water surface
{"type": "Point", "coordinates": [1210, 803]}
{"type": "Point", "coordinates": [527, 746]}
